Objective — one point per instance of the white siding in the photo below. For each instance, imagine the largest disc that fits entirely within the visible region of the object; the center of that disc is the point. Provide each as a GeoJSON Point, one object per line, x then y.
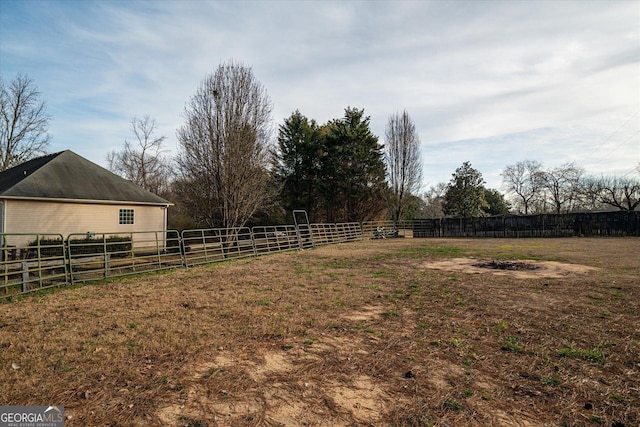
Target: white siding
{"type": "Point", "coordinates": [22, 216]}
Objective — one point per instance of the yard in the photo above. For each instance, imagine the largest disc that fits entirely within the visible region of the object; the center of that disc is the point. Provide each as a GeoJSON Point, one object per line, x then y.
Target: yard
{"type": "Point", "coordinates": [405, 332]}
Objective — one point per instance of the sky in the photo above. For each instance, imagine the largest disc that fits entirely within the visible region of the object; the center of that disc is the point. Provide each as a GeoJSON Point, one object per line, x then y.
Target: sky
{"type": "Point", "coordinates": [489, 82]}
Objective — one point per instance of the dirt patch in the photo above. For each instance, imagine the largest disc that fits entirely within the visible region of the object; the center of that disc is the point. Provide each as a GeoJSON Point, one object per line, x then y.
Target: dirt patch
{"type": "Point", "coordinates": [526, 269]}
{"type": "Point", "coordinates": [362, 397]}
{"type": "Point", "coordinates": [271, 394]}
{"type": "Point", "coordinates": [366, 313]}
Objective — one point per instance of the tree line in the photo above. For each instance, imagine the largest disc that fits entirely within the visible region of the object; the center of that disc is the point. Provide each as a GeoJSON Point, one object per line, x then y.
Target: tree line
{"type": "Point", "coordinates": [231, 170]}
{"type": "Point", "coordinates": [568, 188]}
{"type": "Point", "coordinates": [228, 171]}
{"type": "Point", "coordinates": [531, 188]}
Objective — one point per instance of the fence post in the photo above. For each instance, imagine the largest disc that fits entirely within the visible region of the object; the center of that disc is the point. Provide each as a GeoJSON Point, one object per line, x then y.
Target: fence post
{"type": "Point", "coordinates": [107, 264]}
{"type": "Point", "coordinates": [254, 246]}
{"type": "Point", "coordinates": [157, 247]}
{"type": "Point", "coordinates": [24, 267]}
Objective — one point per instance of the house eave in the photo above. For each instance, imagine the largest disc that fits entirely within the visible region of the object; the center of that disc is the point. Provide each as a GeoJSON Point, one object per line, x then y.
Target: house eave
{"type": "Point", "coordinates": [85, 201]}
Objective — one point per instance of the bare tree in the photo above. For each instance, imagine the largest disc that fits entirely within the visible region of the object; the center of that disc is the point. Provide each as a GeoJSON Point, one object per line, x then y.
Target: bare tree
{"type": "Point", "coordinates": [433, 201]}
{"type": "Point", "coordinates": [224, 148]}
{"type": "Point", "coordinates": [524, 181]}
{"type": "Point", "coordinates": [590, 195]}
{"type": "Point", "coordinates": [24, 122]}
{"type": "Point", "coordinates": [402, 156]}
{"type": "Point", "coordinates": [143, 162]}
{"type": "Point", "coordinates": [563, 186]}
{"type": "Point", "coordinates": [620, 192]}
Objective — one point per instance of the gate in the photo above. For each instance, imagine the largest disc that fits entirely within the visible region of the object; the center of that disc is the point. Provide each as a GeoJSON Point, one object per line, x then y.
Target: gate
{"type": "Point", "coordinates": [305, 236]}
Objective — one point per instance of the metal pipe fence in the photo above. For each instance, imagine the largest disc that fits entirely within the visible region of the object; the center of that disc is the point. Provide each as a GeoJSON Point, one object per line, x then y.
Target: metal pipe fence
{"type": "Point", "coordinates": [204, 246]}
{"type": "Point", "coordinates": [50, 260]}
{"type": "Point", "coordinates": [97, 256]}
{"type": "Point", "coordinates": [387, 228]}
{"type": "Point", "coordinates": [324, 234]}
{"type": "Point", "coordinates": [39, 264]}
{"type": "Point", "coordinates": [321, 233]}
{"type": "Point", "coordinates": [348, 231]}
{"type": "Point", "coordinates": [275, 238]}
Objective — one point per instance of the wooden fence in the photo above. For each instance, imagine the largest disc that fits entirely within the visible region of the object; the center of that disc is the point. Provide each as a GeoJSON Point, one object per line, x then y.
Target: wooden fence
{"type": "Point", "coordinates": [619, 223]}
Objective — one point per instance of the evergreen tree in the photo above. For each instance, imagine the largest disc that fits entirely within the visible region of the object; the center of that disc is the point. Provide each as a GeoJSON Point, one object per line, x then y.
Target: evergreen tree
{"type": "Point", "coordinates": [465, 193]}
{"type": "Point", "coordinates": [297, 165]}
{"type": "Point", "coordinates": [496, 203]}
{"type": "Point", "coordinates": [353, 171]}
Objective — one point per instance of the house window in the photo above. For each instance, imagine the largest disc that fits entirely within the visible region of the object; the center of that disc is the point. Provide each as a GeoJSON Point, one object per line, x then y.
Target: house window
{"type": "Point", "coordinates": [126, 216]}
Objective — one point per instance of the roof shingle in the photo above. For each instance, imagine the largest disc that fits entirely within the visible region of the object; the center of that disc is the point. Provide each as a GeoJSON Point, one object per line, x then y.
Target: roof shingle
{"type": "Point", "coordinates": [66, 175]}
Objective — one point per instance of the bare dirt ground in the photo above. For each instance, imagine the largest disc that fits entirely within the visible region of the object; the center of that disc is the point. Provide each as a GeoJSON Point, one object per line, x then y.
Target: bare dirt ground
{"type": "Point", "coordinates": [525, 270]}
{"type": "Point", "coordinates": [407, 332]}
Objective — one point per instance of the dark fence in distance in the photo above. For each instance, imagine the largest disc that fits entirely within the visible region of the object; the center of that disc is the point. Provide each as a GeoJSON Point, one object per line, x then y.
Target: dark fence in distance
{"type": "Point", "coordinates": [621, 223]}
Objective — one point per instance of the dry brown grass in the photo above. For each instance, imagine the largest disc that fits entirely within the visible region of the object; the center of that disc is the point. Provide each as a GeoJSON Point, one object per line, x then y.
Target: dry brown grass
{"type": "Point", "coordinates": [328, 337]}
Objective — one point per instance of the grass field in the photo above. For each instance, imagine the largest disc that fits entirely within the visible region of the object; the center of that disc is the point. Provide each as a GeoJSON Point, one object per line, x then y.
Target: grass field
{"type": "Point", "coordinates": [403, 332]}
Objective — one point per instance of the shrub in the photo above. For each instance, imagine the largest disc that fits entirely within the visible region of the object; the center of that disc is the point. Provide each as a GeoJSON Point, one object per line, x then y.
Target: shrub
{"type": "Point", "coordinates": [49, 248]}
{"type": "Point", "coordinates": [116, 245]}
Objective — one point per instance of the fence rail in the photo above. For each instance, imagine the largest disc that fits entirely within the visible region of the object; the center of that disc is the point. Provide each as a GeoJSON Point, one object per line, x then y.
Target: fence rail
{"type": "Point", "coordinates": [103, 255]}
{"type": "Point", "coordinates": [39, 264]}
{"type": "Point", "coordinates": [50, 260]}
{"type": "Point", "coordinates": [324, 234]}
{"type": "Point", "coordinates": [387, 228]}
{"type": "Point", "coordinates": [204, 246]}
{"type": "Point", "coordinates": [275, 238]}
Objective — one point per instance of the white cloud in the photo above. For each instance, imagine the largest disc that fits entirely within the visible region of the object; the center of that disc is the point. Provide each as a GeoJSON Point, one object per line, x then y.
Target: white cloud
{"type": "Point", "coordinates": [490, 82]}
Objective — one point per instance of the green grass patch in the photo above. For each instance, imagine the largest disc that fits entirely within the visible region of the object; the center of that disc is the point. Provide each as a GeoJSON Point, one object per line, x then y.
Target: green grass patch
{"type": "Point", "coordinates": [383, 273]}
{"type": "Point", "coordinates": [499, 327]}
{"type": "Point", "coordinates": [391, 313]}
{"type": "Point", "coordinates": [452, 404]}
{"type": "Point", "coordinates": [592, 354]}
{"type": "Point", "coordinates": [432, 251]}
{"type": "Point", "coordinates": [596, 299]}
{"type": "Point", "coordinates": [511, 344]}
{"type": "Point", "coordinates": [550, 381]}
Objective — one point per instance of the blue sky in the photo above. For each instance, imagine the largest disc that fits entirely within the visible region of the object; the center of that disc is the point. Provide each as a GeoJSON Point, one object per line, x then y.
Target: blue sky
{"type": "Point", "coordinates": [488, 82]}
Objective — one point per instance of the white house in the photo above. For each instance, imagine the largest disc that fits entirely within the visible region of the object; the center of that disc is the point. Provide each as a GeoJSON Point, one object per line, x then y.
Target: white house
{"type": "Point", "coordinates": [64, 193]}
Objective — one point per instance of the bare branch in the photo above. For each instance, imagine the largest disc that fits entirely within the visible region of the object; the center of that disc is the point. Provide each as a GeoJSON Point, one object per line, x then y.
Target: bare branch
{"type": "Point", "coordinates": [402, 156]}
{"type": "Point", "coordinates": [563, 186]}
{"type": "Point", "coordinates": [225, 148]}
{"type": "Point", "coordinates": [620, 192]}
{"type": "Point", "coordinates": [24, 122]}
{"type": "Point", "coordinates": [523, 180]}
{"type": "Point", "coordinates": [143, 162]}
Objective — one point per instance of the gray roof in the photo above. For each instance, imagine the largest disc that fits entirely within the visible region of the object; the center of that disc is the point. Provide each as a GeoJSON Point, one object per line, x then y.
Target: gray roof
{"type": "Point", "coordinates": [66, 175]}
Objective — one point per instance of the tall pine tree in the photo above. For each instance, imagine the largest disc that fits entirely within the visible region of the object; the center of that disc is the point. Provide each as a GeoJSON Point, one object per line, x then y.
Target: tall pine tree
{"type": "Point", "coordinates": [464, 197]}
{"type": "Point", "coordinates": [353, 171]}
{"type": "Point", "coordinates": [297, 166]}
